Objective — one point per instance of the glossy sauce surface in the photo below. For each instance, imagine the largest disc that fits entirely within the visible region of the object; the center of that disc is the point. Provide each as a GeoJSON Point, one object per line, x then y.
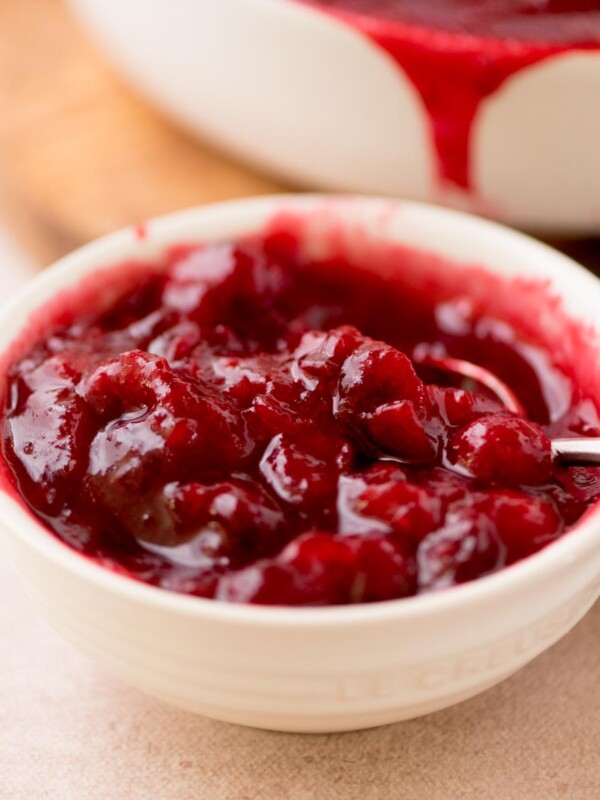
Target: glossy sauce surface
{"type": "Point", "coordinates": [246, 423]}
{"type": "Point", "coordinates": [457, 53]}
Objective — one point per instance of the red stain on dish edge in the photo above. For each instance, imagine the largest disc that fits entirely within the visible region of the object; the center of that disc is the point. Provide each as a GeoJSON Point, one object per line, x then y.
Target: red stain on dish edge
{"type": "Point", "coordinates": [453, 72]}
{"type": "Point", "coordinates": [141, 230]}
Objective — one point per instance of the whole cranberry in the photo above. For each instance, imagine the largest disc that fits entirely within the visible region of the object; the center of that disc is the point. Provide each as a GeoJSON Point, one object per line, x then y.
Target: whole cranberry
{"type": "Point", "coordinates": [458, 407]}
{"type": "Point", "coordinates": [376, 374]}
{"type": "Point", "coordinates": [465, 548]}
{"type": "Point", "coordinates": [395, 428]}
{"type": "Point", "coordinates": [285, 406]}
{"type": "Point", "coordinates": [236, 509]}
{"type": "Point", "coordinates": [50, 436]}
{"type": "Point", "coordinates": [447, 486]}
{"type": "Point", "coordinates": [321, 355]}
{"type": "Point", "coordinates": [524, 523]}
{"type": "Point", "coordinates": [325, 569]}
{"type": "Point", "coordinates": [570, 507]}
{"type": "Point", "coordinates": [146, 399]}
{"type": "Point", "coordinates": [304, 470]}
{"type": "Point", "coordinates": [505, 450]}
{"type": "Point", "coordinates": [583, 483]}
{"type": "Point", "coordinates": [408, 509]}
{"type": "Point", "coordinates": [235, 285]}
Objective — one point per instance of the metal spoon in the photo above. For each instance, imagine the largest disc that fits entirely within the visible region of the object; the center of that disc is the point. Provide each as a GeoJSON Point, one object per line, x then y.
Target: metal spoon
{"type": "Point", "coordinates": [569, 451]}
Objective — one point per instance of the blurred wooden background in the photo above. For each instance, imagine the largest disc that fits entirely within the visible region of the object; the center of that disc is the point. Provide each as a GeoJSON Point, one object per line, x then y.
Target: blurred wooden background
{"type": "Point", "coordinates": [81, 154]}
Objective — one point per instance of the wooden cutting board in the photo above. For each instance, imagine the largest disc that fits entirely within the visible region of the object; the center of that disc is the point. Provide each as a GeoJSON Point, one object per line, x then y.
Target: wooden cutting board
{"type": "Point", "coordinates": [80, 153]}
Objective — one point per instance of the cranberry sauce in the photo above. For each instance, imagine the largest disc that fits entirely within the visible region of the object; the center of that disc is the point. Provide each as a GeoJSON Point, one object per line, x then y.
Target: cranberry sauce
{"type": "Point", "coordinates": [247, 424]}
{"type": "Point", "coordinates": [459, 52]}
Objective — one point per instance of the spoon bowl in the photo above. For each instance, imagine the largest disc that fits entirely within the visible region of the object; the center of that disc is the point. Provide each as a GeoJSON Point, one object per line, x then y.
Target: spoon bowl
{"type": "Point", "coordinates": [569, 451]}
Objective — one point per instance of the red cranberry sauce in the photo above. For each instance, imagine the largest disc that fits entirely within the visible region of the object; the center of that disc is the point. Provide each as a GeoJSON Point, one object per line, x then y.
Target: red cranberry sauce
{"type": "Point", "coordinates": [459, 52]}
{"type": "Point", "coordinates": [247, 424]}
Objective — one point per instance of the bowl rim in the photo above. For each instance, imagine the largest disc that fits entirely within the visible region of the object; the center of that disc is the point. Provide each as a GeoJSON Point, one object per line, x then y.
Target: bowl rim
{"type": "Point", "coordinates": [157, 233]}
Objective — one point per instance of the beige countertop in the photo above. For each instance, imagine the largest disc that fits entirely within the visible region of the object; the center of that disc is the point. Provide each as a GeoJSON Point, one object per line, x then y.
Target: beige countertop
{"type": "Point", "coordinates": [70, 731]}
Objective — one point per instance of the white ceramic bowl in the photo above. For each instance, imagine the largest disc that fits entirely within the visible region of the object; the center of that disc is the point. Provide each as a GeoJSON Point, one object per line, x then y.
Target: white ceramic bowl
{"type": "Point", "coordinates": [307, 97]}
{"type": "Point", "coordinates": [320, 669]}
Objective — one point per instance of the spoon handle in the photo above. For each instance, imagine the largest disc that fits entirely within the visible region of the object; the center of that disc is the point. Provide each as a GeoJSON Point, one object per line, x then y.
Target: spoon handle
{"type": "Point", "coordinates": [567, 451]}
{"type": "Point", "coordinates": [577, 451]}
